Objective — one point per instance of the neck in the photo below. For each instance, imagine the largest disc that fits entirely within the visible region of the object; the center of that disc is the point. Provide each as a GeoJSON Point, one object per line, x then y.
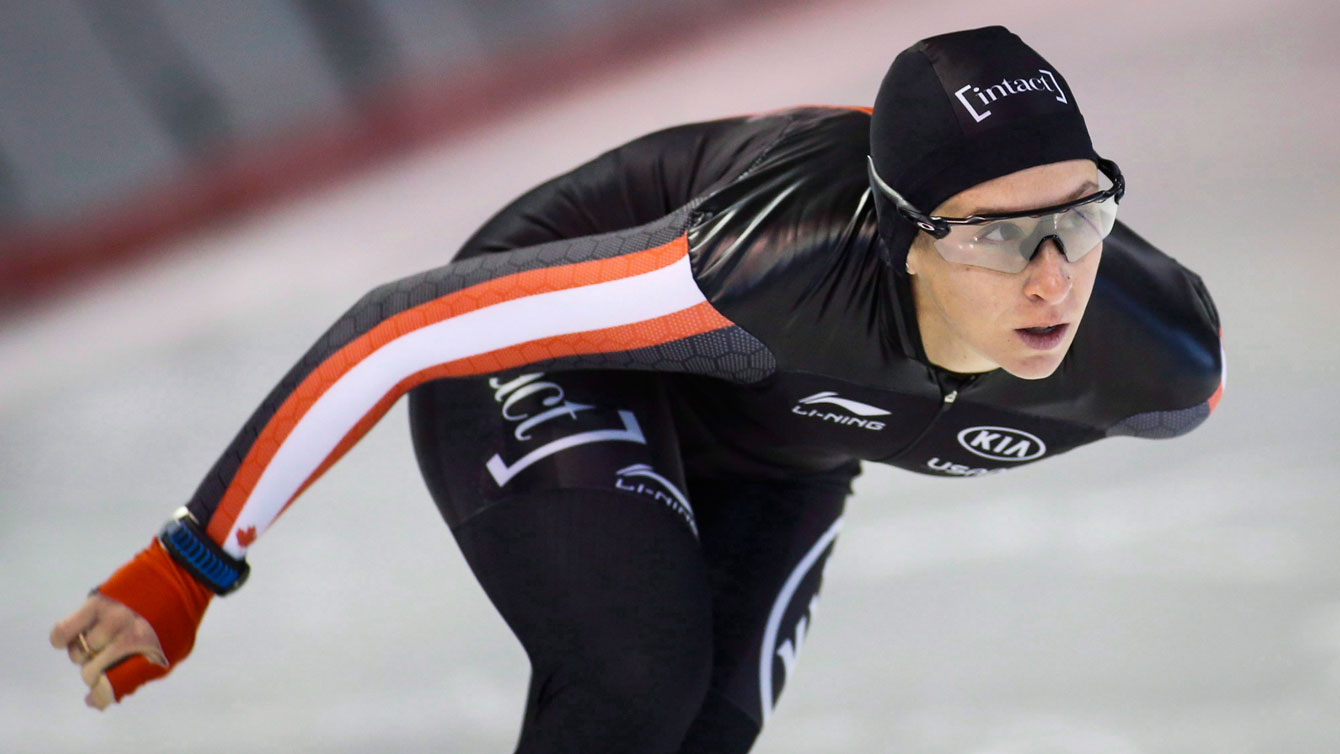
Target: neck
{"type": "Point", "coordinates": [941, 344]}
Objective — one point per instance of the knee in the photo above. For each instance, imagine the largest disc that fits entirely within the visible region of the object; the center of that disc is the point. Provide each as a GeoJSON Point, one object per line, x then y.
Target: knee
{"type": "Point", "coordinates": [635, 698]}
{"type": "Point", "coordinates": [660, 687]}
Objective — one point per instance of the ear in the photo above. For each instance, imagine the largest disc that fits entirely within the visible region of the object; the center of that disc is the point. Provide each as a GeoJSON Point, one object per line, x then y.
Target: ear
{"type": "Point", "coordinates": [914, 252]}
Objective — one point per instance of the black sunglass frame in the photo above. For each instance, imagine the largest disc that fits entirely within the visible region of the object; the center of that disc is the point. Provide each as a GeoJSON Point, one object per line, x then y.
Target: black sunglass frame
{"type": "Point", "coordinates": [939, 226]}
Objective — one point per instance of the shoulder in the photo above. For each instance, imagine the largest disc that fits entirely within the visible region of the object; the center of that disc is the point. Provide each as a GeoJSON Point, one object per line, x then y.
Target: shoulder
{"type": "Point", "coordinates": [634, 183]}
{"type": "Point", "coordinates": [827, 141]}
{"type": "Point", "coordinates": [688, 158]}
{"type": "Point", "coordinates": [815, 156]}
{"type": "Point", "coordinates": [1151, 337]}
{"type": "Point", "coordinates": [694, 157]}
{"type": "Point", "coordinates": [789, 249]}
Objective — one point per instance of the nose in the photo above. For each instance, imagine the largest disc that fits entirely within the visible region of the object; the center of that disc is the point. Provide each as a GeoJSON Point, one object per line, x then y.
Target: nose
{"type": "Point", "coordinates": [1048, 274]}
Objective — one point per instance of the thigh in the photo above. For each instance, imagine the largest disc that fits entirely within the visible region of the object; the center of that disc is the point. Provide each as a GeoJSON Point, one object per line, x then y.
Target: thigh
{"type": "Point", "coordinates": [565, 496]}
{"type": "Point", "coordinates": [482, 441]}
{"type": "Point", "coordinates": [766, 544]}
{"type": "Point", "coordinates": [609, 597]}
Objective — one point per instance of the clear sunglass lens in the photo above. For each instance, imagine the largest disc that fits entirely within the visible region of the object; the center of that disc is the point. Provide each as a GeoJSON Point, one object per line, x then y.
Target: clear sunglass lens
{"type": "Point", "coordinates": [1007, 245]}
{"type": "Point", "coordinates": [1085, 226]}
{"type": "Point", "coordinates": [998, 233]}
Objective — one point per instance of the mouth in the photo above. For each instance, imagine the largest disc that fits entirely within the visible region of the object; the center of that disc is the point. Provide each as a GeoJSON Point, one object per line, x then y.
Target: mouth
{"type": "Point", "coordinates": [1043, 338]}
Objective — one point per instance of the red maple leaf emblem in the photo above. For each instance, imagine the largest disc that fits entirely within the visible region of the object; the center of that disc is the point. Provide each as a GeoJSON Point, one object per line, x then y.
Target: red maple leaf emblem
{"type": "Point", "coordinates": [246, 536]}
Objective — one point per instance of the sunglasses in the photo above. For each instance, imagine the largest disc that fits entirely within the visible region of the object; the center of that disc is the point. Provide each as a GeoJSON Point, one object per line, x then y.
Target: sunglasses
{"type": "Point", "coordinates": [1006, 242]}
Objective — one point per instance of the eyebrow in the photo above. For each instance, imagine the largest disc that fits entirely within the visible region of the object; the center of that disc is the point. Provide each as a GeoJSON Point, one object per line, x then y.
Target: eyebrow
{"type": "Point", "coordinates": [1086, 188]}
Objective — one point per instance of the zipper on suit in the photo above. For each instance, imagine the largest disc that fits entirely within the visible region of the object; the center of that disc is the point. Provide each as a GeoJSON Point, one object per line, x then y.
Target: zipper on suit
{"type": "Point", "coordinates": [947, 399]}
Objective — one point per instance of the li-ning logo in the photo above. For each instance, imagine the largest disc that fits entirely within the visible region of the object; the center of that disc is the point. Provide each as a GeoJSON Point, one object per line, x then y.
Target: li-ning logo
{"type": "Point", "coordinates": [627, 479]}
{"type": "Point", "coordinates": [846, 404]}
{"type": "Point", "coordinates": [1002, 443]}
{"type": "Point", "coordinates": [1046, 82]}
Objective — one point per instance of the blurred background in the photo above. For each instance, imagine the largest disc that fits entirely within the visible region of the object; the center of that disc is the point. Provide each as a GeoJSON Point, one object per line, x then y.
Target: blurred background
{"type": "Point", "coordinates": [128, 122]}
{"type": "Point", "coordinates": [191, 191]}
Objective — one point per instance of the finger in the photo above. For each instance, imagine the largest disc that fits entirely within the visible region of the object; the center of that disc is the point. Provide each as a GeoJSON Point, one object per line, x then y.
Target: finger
{"type": "Point", "coordinates": [100, 697]}
{"type": "Point", "coordinates": [77, 654]}
{"type": "Point", "coordinates": [66, 630]}
{"type": "Point", "coordinates": [120, 648]}
{"type": "Point", "coordinates": [124, 645]}
{"type": "Point", "coordinates": [81, 652]}
{"type": "Point", "coordinates": [107, 624]}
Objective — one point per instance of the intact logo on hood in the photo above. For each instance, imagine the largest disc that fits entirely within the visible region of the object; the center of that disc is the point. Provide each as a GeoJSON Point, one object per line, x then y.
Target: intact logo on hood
{"type": "Point", "coordinates": [978, 102]}
{"type": "Point", "coordinates": [1002, 443]}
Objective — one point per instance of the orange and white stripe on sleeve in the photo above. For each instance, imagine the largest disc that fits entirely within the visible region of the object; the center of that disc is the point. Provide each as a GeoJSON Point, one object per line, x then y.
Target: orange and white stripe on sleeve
{"type": "Point", "coordinates": [550, 304]}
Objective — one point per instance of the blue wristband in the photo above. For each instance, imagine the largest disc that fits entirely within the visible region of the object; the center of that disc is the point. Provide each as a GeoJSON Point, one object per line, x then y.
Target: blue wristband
{"type": "Point", "coordinates": [193, 550]}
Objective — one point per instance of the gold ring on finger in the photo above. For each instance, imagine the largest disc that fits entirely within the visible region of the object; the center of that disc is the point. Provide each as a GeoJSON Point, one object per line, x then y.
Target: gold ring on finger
{"type": "Point", "coordinates": [83, 644]}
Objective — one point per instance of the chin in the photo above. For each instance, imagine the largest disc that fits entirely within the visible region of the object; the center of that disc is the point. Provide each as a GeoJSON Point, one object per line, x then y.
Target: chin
{"type": "Point", "coordinates": [1035, 368]}
{"type": "Point", "coordinates": [1037, 365]}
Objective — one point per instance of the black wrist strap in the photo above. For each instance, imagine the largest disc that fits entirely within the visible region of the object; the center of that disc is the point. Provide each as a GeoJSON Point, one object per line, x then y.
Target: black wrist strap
{"type": "Point", "coordinates": [192, 549]}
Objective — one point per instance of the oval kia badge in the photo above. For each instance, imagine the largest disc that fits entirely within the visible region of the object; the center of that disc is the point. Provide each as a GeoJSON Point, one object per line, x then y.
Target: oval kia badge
{"type": "Point", "coordinates": [1002, 443]}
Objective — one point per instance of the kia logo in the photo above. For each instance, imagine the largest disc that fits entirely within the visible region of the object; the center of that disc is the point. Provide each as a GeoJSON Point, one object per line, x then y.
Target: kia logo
{"type": "Point", "coordinates": [1002, 443]}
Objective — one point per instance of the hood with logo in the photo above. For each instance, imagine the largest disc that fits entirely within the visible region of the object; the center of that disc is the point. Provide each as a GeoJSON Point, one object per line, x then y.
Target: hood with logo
{"type": "Point", "coordinates": [959, 109]}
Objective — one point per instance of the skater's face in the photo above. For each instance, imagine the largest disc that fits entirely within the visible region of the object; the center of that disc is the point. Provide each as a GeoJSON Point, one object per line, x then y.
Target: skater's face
{"type": "Point", "coordinates": [974, 319]}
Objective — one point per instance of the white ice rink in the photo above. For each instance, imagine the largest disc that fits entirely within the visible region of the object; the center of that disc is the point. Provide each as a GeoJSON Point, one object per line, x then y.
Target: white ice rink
{"type": "Point", "coordinates": [1131, 597]}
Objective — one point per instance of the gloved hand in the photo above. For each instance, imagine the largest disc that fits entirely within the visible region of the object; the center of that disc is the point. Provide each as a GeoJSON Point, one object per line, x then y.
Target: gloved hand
{"type": "Point", "coordinates": [135, 627]}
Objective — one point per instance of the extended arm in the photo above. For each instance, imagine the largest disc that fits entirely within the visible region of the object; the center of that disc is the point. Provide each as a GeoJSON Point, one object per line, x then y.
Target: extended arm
{"type": "Point", "coordinates": [613, 298]}
{"type": "Point", "coordinates": [621, 299]}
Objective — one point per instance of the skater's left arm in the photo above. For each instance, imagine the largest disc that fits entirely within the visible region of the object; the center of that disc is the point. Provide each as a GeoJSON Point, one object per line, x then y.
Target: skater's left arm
{"type": "Point", "coordinates": [605, 282]}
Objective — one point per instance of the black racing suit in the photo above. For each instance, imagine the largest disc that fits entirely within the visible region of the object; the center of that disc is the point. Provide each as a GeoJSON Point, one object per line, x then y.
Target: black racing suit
{"type": "Point", "coordinates": [641, 391]}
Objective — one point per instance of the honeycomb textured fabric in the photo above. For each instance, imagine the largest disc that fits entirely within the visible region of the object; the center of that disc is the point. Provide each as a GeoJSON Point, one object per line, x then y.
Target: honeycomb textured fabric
{"type": "Point", "coordinates": [1160, 425]}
